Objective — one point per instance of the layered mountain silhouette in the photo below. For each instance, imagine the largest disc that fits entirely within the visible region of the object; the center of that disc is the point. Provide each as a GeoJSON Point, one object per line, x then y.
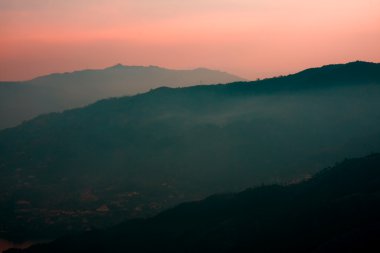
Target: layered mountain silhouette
{"type": "Point", "coordinates": [337, 210]}
{"type": "Point", "coordinates": [135, 156]}
{"type": "Point", "coordinates": [21, 101]}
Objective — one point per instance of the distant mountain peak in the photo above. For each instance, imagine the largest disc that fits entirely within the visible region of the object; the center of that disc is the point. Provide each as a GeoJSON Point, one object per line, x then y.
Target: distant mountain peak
{"type": "Point", "coordinates": [59, 91]}
{"type": "Point", "coordinates": [117, 66]}
{"type": "Point", "coordinates": [120, 66]}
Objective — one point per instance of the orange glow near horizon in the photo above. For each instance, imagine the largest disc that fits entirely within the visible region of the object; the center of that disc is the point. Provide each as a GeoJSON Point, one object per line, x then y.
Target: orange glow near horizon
{"type": "Point", "coordinates": [250, 38]}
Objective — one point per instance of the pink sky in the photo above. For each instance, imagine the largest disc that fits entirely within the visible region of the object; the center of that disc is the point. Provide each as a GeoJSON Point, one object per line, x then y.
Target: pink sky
{"type": "Point", "coordinates": [250, 38]}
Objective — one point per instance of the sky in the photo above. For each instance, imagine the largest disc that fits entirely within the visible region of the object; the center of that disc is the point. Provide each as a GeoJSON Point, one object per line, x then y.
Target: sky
{"type": "Point", "coordinates": [250, 38]}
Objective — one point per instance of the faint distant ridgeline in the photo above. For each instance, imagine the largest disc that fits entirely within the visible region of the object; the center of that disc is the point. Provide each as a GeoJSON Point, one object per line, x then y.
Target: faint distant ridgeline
{"type": "Point", "coordinates": [21, 101]}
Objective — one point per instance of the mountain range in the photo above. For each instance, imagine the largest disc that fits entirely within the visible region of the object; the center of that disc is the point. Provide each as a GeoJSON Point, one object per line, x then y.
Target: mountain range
{"type": "Point", "coordinates": [20, 101]}
{"type": "Point", "coordinates": [130, 157]}
{"type": "Point", "coordinates": [337, 210]}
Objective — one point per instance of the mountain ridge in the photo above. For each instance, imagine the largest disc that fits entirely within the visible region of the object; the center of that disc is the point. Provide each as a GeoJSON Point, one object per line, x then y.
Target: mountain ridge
{"type": "Point", "coordinates": [141, 154]}
{"type": "Point", "coordinates": [117, 66]}
{"type": "Point", "coordinates": [21, 101]}
{"type": "Point", "coordinates": [251, 85]}
{"type": "Point", "coordinates": [340, 201]}
{"type": "Point", "coordinates": [121, 67]}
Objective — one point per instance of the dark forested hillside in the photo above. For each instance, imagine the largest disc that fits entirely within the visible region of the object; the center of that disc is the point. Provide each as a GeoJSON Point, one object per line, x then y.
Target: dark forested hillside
{"type": "Point", "coordinates": [135, 156]}
{"type": "Point", "coordinates": [20, 101]}
{"type": "Point", "coordinates": [337, 210]}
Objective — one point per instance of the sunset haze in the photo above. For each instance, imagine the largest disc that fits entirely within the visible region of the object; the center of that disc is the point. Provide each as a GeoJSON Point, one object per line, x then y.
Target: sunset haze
{"type": "Point", "coordinates": [252, 39]}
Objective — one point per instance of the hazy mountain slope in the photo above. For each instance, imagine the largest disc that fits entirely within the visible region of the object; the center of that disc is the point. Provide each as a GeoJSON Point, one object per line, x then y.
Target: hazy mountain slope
{"type": "Point", "coordinates": [337, 209]}
{"type": "Point", "coordinates": [21, 101]}
{"type": "Point", "coordinates": [134, 156]}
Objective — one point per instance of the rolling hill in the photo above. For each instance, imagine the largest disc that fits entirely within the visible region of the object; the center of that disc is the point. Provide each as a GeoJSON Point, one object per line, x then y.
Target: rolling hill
{"type": "Point", "coordinates": [20, 101]}
{"type": "Point", "coordinates": [135, 156]}
{"type": "Point", "coordinates": [337, 210]}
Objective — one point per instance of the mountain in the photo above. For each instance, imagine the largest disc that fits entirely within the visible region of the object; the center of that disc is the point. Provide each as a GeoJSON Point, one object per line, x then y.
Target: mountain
{"type": "Point", "coordinates": [135, 156]}
{"type": "Point", "coordinates": [21, 101]}
{"type": "Point", "coordinates": [337, 210]}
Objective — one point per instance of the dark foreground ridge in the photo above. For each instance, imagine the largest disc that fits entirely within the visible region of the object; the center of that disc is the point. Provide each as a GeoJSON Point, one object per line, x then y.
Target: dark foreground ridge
{"type": "Point", "coordinates": [337, 210]}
